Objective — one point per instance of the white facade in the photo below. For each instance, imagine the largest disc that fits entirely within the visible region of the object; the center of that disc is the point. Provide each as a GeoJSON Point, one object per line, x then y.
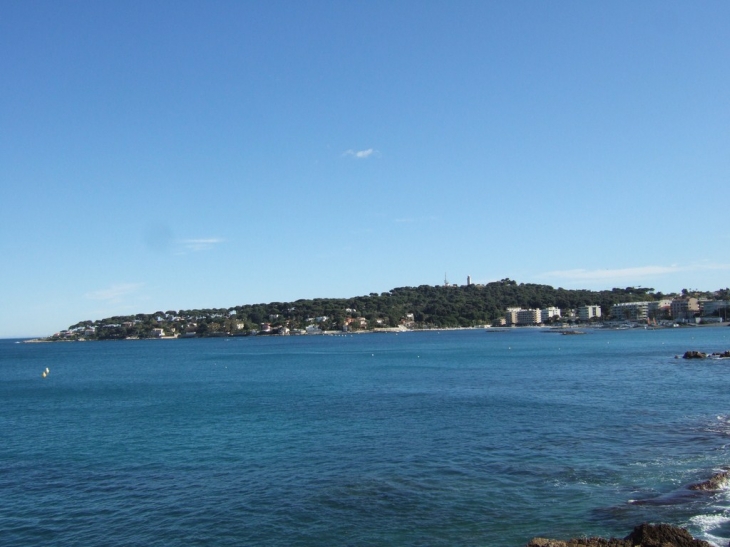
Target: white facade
{"type": "Point", "coordinates": [529, 317]}
{"type": "Point", "coordinates": [511, 316]}
{"type": "Point", "coordinates": [519, 316]}
{"type": "Point", "coordinates": [630, 311]}
{"type": "Point", "coordinates": [549, 313]}
{"type": "Point", "coordinates": [586, 313]}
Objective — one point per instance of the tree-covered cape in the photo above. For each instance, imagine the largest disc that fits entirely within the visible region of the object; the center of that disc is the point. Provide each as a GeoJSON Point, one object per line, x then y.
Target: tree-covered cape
{"type": "Point", "coordinates": [425, 306]}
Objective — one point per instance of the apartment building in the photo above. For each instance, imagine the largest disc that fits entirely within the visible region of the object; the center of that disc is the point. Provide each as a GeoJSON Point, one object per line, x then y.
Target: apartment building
{"type": "Point", "coordinates": [529, 317]}
{"type": "Point", "coordinates": [586, 313]}
{"type": "Point", "coordinates": [630, 311]}
{"type": "Point", "coordinates": [684, 308]}
{"type": "Point", "coordinates": [549, 313]}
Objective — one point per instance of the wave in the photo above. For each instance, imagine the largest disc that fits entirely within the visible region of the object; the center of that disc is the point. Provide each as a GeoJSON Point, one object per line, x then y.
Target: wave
{"type": "Point", "coordinates": [707, 501]}
{"type": "Point", "coordinates": [712, 527]}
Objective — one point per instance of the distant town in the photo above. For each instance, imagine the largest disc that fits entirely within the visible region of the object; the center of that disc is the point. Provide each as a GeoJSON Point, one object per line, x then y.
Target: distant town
{"type": "Point", "coordinates": [665, 312]}
{"type": "Point", "coordinates": [503, 303]}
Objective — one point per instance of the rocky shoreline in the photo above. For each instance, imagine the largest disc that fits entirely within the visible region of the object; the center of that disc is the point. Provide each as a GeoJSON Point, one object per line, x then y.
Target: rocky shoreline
{"type": "Point", "coordinates": [648, 535]}
{"type": "Point", "coordinates": [718, 481]}
{"type": "Point", "coordinates": [644, 535]}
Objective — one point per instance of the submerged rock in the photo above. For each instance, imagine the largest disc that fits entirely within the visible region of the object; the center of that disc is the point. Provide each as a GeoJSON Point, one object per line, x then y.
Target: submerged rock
{"type": "Point", "coordinates": [644, 535]}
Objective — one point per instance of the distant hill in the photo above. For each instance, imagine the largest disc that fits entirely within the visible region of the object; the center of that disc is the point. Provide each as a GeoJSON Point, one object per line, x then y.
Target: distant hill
{"type": "Point", "coordinates": [425, 306]}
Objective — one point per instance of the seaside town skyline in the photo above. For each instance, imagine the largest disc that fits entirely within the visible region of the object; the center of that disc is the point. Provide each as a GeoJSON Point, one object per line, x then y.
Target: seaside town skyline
{"type": "Point", "coordinates": [416, 308]}
{"type": "Point", "coordinates": [185, 155]}
{"type": "Point", "coordinates": [682, 305]}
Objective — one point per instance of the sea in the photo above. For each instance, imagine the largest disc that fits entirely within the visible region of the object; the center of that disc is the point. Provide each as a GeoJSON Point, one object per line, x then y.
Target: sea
{"type": "Point", "coordinates": [477, 437]}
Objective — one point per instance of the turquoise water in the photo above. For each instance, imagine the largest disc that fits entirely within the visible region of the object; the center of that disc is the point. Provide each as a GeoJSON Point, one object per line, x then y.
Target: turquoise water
{"type": "Point", "coordinates": [434, 438]}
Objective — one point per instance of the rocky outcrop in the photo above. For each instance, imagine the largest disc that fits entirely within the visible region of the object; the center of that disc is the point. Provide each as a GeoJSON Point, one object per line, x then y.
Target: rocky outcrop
{"type": "Point", "coordinates": [663, 535]}
{"type": "Point", "coordinates": [645, 535]}
{"type": "Point", "coordinates": [693, 354]}
{"type": "Point", "coordinates": [716, 482]}
{"type": "Point", "coordinates": [582, 542]}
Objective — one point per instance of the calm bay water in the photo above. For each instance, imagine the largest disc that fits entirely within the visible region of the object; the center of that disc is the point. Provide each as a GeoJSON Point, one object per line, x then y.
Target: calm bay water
{"type": "Point", "coordinates": [434, 438]}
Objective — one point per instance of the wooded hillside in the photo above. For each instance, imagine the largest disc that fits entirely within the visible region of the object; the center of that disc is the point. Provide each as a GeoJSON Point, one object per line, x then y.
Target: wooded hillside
{"type": "Point", "coordinates": [430, 306]}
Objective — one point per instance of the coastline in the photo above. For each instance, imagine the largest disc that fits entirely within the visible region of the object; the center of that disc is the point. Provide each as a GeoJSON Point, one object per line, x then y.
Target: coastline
{"type": "Point", "coordinates": [643, 535]}
{"type": "Point", "coordinates": [398, 330]}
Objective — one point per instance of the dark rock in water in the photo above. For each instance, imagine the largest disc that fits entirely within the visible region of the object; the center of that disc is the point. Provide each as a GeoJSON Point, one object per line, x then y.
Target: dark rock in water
{"type": "Point", "coordinates": [580, 542]}
{"type": "Point", "coordinates": [689, 493]}
{"type": "Point", "coordinates": [694, 355]}
{"type": "Point", "coordinates": [644, 535]}
{"type": "Point", "coordinates": [663, 535]}
{"type": "Point", "coordinates": [715, 482]}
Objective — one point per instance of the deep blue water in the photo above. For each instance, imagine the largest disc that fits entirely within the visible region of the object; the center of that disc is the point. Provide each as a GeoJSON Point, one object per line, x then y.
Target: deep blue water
{"type": "Point", "coordinates": [434, 438]}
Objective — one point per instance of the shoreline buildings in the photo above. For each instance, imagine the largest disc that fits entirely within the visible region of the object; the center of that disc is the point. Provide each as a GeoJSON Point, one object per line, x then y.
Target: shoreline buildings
{"type": "Point", "coordinates": [586, 313]}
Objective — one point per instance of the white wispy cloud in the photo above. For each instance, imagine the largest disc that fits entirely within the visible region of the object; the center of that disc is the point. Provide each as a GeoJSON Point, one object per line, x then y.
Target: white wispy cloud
{"type": "Point", "coordinates": [115, 293]}
{"type": "Point", "coordinates": [202, 244]}
{"type": "Point", "coordinates": [633, 273]}
{"type": "Point", "coordinates": [360, 154]}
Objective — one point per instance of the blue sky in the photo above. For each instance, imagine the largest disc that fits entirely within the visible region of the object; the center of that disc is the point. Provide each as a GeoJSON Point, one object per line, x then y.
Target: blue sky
{"type": "Point", "coordinates": [177, 155]}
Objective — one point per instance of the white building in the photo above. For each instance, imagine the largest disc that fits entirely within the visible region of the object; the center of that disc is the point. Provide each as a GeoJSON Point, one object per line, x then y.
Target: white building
{"type": "Point", "coordinates": [586, 313]}
{"type": "Point", "coordinates": [519, 316]}
{"type": "Point", "coordinates": [630, 311]}
{"type": "Point", "coordinates": [511, 316]}
{"type": "Point", "coordinates": [549, 313]}
{"type": "Point", "coordinates": [529, 317]}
